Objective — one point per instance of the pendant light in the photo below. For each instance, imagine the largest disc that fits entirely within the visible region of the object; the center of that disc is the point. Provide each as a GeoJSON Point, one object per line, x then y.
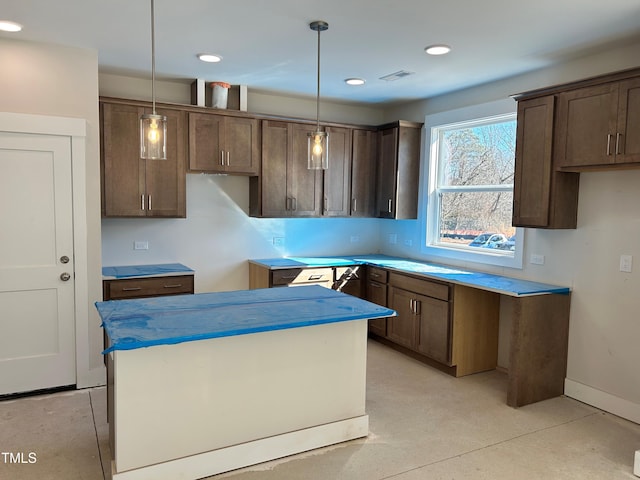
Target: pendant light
{"type": "Point", "coordinates": [153, 127]}
{"type": "Point", "coordinates": [318, 141]}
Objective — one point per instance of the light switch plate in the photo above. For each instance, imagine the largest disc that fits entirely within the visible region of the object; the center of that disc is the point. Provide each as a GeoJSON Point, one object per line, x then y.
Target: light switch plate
{"type": "Point", "coordinates": [536, 259]}
{"type": "Point", "coordinates": [141, 245]}
{"type": "Point", "coordinates": [278, 241]}
{"type": "Point", "coordinates": [626, 263]}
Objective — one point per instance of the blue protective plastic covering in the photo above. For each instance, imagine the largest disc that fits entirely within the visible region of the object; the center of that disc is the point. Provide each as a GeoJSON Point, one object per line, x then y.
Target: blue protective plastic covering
{"type": "Point", "coordinates": [485, 281]}
{"type": "Point", "coordinates": [145, 322]}
{"type": "Point", "coordinates": [131, 271]}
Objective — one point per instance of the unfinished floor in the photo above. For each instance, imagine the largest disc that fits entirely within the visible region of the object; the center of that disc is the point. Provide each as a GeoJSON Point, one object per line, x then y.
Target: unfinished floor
{"type": "Point", "coordinates": [423, 425]}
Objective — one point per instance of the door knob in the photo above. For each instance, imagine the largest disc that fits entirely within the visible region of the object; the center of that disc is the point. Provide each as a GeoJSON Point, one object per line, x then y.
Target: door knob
{"type": "Point", "coordinates": [65, 276]}
{"type": "Point", "coordinates": [64, 259]}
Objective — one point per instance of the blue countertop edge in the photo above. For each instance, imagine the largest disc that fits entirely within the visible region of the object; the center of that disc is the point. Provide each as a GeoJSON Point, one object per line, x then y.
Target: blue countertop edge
{"type": "Point", "coordinates": [146, 322]}
{"type": "Point", "coordinates": [486, 281]}
{"type": "Point", "coordinates": [141, 271]}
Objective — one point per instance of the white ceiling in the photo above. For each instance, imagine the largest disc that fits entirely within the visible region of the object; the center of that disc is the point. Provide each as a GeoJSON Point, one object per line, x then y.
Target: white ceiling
{"type": "Point", "coordinates": [268, 45]}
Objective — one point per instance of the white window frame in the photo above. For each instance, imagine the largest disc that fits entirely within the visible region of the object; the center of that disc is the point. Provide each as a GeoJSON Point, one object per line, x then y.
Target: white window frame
{"type": "Point", "coordinates": [429, 203]}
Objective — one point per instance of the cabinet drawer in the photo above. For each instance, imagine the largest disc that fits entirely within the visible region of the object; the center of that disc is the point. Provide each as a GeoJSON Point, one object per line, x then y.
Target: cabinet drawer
{"type": "Point", "coordinates": [418, 285]}
{"type": "Point", "coordinates": [147, 287]}
{"type": "Point", "coordinates": [294, 276]}
{"type": "Point", "coordinates": [376, 274]}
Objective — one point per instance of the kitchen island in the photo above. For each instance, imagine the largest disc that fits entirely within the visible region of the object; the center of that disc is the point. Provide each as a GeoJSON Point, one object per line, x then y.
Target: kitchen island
{"type": "Point", "coordinates": [207, 383]}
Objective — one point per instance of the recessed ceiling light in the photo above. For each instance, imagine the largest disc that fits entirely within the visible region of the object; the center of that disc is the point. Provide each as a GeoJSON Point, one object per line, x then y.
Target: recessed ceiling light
{"type": "Point", "coordinates": [8, 26]}
{"type": "Point", "coordinates": [209, 57]}
{"type": "Point", "coordinates": [437, 49]}
{"type": "Point", "coordinates": [355, 81]}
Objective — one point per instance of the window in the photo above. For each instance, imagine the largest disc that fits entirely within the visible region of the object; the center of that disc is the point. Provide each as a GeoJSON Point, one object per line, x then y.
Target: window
{"type": "Point", "coordinates": [470, 190]}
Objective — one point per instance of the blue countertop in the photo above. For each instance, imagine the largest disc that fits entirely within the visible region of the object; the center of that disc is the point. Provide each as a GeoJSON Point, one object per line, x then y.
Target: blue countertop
{"type": "Point", "coordinates": [145, 322]}
{"type": "Point", "coordinates": [485, 281]}
{"type": "Point", "coordinates": [139, 271]}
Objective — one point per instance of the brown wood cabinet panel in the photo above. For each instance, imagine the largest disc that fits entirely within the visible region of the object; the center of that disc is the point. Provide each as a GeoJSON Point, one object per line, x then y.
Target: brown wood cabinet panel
{"type": "Point", "coordinates": [131, 186]}
{"type": "Point", "coordinates": [586, 122]}
{"type": "Point", "coordinates": [398, 173]}
{"type": "Point", "coordinates": [350, 280]}
{"type": "Point", "coordinates": [147, 287]}
{"type": "Point", "coordinates": [542, 196]}
{"type": "Point", "coordinates": [304, 186]}
{"type": "Point", "coordinates": [420, 285]}
{"type": "Point", "coordinates": [337, 178]}
{"type": "Point", "coordinates": [628, 131]}
{"type": "Point", "coordinates": [363, 173]}
{"type": "Point", "coordinates": [434, 328]}
{"type": "Point", "coordinates": [401, 329]}
{"type": "Point", "coordinates": [286, 187]}
{"type": "Point", "coordinates": [273, 196]}
{"type": "Point", "coordinates": [123, 171]}
{"type": "Point", "coordinates": [222, 144]}
{"type": "Point", "coordinates": [376, 292]}
{"type": "Point", "coordinates": [166, 179]}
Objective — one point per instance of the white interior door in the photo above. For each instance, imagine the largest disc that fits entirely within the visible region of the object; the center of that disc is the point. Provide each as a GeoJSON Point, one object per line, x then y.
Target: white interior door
{"type": "Point", "coordinates": [37, 324]}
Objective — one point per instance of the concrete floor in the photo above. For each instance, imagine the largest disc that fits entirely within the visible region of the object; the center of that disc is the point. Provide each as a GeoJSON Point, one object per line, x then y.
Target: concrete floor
{"type": "Point", "coordinates": [423, 425]}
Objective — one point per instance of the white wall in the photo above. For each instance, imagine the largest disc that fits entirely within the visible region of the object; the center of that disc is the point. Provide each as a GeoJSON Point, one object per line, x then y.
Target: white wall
{"type": "Point", "coordinates": [218, 236]}
{"type": "Point", "coordinates": [59, 81]}
{"type": "Point", "coordinates": [605, 323]}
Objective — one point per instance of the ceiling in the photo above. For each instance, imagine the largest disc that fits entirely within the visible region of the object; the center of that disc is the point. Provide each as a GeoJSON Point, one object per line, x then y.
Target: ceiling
{"type": "Point", "coordinates": [269, 46]}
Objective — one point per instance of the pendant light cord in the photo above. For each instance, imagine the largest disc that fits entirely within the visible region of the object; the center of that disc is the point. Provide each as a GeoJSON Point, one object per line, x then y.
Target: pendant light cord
{"type": "Point", "coordinates": [318, 92]}
{"type": "Point", "coordinates": [153, 58]}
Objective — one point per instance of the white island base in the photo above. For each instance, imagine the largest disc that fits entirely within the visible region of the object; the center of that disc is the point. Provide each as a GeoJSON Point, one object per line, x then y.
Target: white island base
{"type": "Point", "coordinates": [199, 408]}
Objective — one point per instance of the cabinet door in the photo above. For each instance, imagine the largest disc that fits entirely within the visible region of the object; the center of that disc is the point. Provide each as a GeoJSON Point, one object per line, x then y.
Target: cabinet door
{"type": "Point", "coordinates": [123, 171]}
{"type": "Point", "coordinates": [377, 293]}
{"type": "Point", "coordinates": [387, 167]}
{"type": "Point", "coordinates": [627, 135]}
{"type": "Point", "coordinates": [241, 145]}
{"type": "Point", "coordinates": [401, 329]}
{"type": "Point", "coordinates": [206, 142]}
{"type": "Point", "coordinates": [434, 328]}
{"type": "Point", "coordinates": [586, 126]}
{"type": "Point", "coordinates": [337, 178]}
{"type": "Point", "coordinates": [273, 182]}
{"type": "Point", "coordinates": [303, 185]}
{"type": "Point", "coordinates": [542, 196]}
{"type": "Point", "coordinates": [166, 179]}
{"type": "Point", "coordinates": [363, 173]}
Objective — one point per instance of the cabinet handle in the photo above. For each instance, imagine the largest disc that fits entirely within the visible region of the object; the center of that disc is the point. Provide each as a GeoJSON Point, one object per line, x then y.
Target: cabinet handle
{"type": "Point", "coordinates": [228, 158]}
{"type": "Point", "coordinates": [375, 275]}
{"type": "Point", "coordinates": [222, 158]}
{"type": "Point", "coordinates": [375, 285]}
{"type": "Point", "coordinates": [315, 277]}
{"type": "Point", "coordinates": [608, 144]}
{"type": "Point", "coordinates": [131, 289]}
{"type": "Point", "coordinates": [149, 201]}
{"type": "Point", "coordinates": [326, 203]}
{"type": "Point", "coordinates": [390, 205]}
{"type": "Point", "coordinates": [355, 205]}
{"type": "Point", "coordinates": [618, 135]}
{"type": "Point", "coordinates": [294, 204]}
{"type": "Point", "coordinates": [416, 305]}
{"type": "Point", "coordinates": [177, 285]}
{"type": "Point", "coordinates": [411, 305]}
{"type": "Point", "coordinates": [142, 201]}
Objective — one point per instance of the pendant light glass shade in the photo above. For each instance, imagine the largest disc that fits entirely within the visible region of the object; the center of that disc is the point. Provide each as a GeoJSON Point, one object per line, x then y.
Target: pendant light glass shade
{"type": "Point", "coordinates": [318, 148]}
{"type": "Point", "coordinates": [153, 137]}
{"type": "Point", "coordinates": [153, 127]}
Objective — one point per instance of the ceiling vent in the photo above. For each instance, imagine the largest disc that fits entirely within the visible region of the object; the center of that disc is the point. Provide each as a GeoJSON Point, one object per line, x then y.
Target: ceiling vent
{"type": "Point", "coordinates": [392, 77]}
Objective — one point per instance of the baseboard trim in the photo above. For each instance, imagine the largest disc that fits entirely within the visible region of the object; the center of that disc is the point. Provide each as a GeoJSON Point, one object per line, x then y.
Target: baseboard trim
{"type": "Point", "coordinates": [602, 400]}
{"type": "Point", "coordinates": [245, 454]}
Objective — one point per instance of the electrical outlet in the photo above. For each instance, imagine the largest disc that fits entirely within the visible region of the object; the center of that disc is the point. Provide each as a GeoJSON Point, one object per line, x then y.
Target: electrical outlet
{"type": "Point", "coordinates": [408, 243]}
{"type": "Point", "coordinates": [278, 241]}
{"type": "Point", "coordinates": [536, 259]}
{"type": "Point", "coordinates": [354, 239]}
{"type": "Point", "coordinates": [626, 263]}
{"type": "Point", "coordinates": [393, 238]}
{"type": "Point", "coordinates": [141, 245]}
